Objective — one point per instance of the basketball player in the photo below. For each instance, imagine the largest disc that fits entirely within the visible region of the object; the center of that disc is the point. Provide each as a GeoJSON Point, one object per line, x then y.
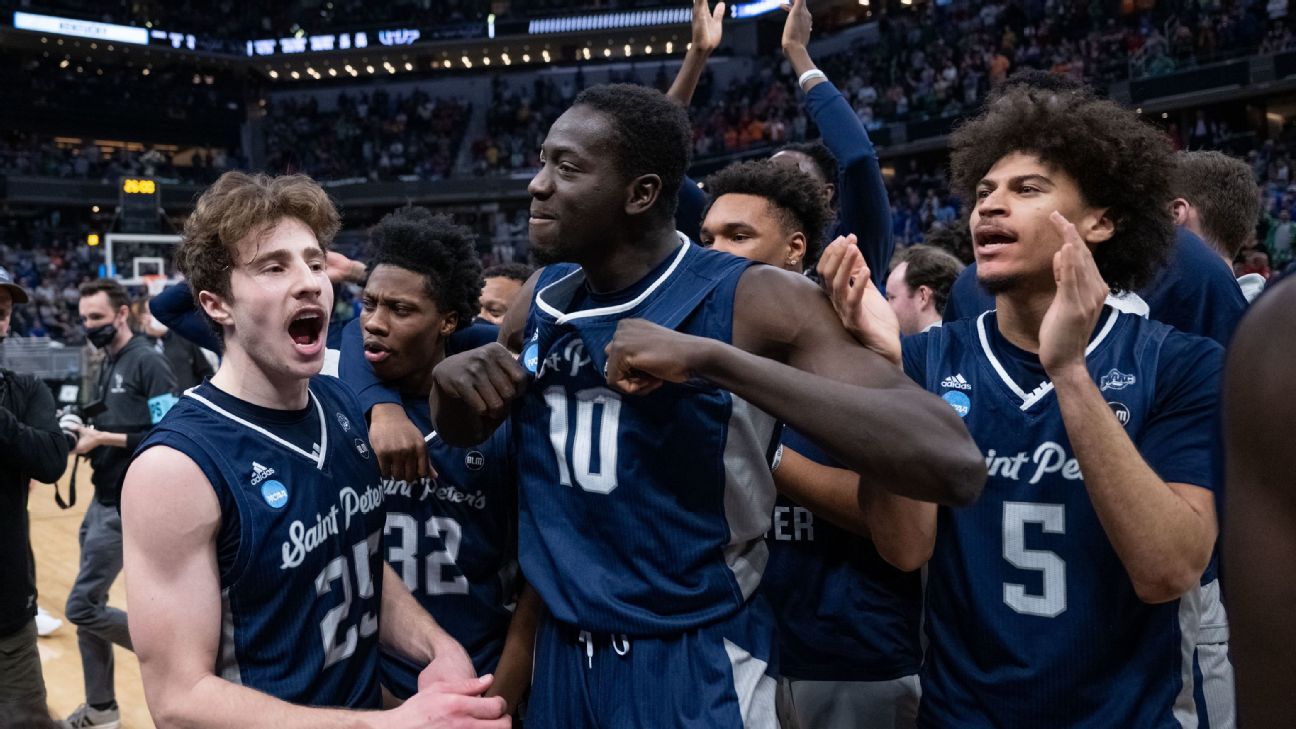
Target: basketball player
{"type": "Point", "coordinates": [451, 538]}
{"type": "Point", "coordinates": [253, 515]}
{"type": "Point", "coordinates": [502, 284]}
{"type": "Point", "coordinates": [848, 621]}
{"type": "Point", "coordinates": [644, 439]}
{"type": "Point", "coordinates": [1260, 540]}
{"type": "Point", "coordinates": [1069, 594]}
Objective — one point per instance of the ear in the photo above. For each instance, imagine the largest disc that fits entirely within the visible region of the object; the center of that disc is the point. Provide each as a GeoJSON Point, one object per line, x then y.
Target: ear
{"type": "Point", "coordinates": [829, 191]}
{"type": "Point", "coordinates": [216, 308]}
{"type": "Point", "coordinates": [796, 249]}
{"type": "Point", "coordinates": [926, 297]}
{"type": "Point", "coordinates": [1097, 227]}
{"type": "Point", "coordinates": [450, 323]}
{"type": "Point", "coordinates": [642, 194]}
{"type": "Point", "coordinates": [1180, 210]}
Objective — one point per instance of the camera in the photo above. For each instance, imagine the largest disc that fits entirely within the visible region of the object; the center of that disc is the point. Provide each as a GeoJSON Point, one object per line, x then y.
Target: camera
{"type": "Point", "coordinates": [71, 417]}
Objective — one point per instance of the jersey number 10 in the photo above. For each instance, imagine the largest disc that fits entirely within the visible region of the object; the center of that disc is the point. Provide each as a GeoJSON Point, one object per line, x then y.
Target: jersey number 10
{"type": "Point", "coordinates": [580, 462]}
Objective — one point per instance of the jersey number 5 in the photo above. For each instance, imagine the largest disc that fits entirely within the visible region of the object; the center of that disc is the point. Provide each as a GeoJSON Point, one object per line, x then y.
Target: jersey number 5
{"type": "Point", "coordinates": [1052, 519]}
{"type": "Point", "coordinates": [580, 462]}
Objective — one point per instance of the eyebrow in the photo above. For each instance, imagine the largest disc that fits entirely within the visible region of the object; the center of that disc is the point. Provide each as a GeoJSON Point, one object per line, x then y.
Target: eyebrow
{"type": "Point", "coordinates": [1018, 180]}
{"type": "Point", "coordinates": [285, 254]}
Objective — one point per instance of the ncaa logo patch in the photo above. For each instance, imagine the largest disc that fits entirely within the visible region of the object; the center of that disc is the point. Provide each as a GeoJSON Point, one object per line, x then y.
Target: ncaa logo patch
{"type": "Point", "coordinates": [474, 460]}
{"type": "Point", "coordinates": [531, 356]}
{"type": "Point", "coordinates": [362, 448]}
{"type": "Point", "coordinates": [342, 421]}
{"type": "Point", "coordinates": [274, 493]}
{"type": "Point", "coordinates": [1121, 412]}
{"type": "Point", "coordinates": [961, 403]}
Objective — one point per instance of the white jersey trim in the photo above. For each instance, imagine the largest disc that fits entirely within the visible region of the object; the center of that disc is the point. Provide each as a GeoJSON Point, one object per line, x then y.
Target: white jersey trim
{"type": "Point", "coordinates": [563, 318]}
{"type": "Point", "coordinates": [1045, 387]}
{"type": "Point", "coordinates": [318, 456]}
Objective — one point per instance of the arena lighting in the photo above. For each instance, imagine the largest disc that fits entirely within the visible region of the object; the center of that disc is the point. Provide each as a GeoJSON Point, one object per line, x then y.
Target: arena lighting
{"type": "Point", "coordinates": [505, 58]}
{"type": "Point", "coordinates": [92, 240]}
{"type": "Point", "coordinates": [585, 52]}
{"type": "Point", "coordinates": [63, 63]}
{"type": "Point", "coordinates": [752, 9]}
{"type": "Point", "coordinates": [466, 62]}
{"type": "Point", "coordinates": [629, 19]}
{"type": "Point", "coordinates": [80, 28]}
{"type": "Point", "coordinates": [627, 49]}
{"type": "Point", "coordinates": [94, 208]}
{"type": "Point", "coordinates": [146, 72]}
{"type": "Point", "coordinates": [332, 72]}
{"type": "Point", "coordinates": [409, 66]}
{"type": "Point", "coordinates": [648, 50]}
{"type": "Point", "coordinates": [607, 52]}
{"type": "Point", "coordinates": [485, 60]}
{"type": "Point", "coordinates": [865, 3]}
{"type": "Point", "coordinates": [295, 75]}
{"type": "Point", "coordinates": [526, 57]}
{"type": "Point", "coordinates": [370, 69]}
{"type": "Point", "coordinates": [447, 63]}
{"type": "Point", "coordinates": [545, 54]}
{"type": "Point", "coordinates": [670, 47]}
{"type": "Point", "coordinates": [274, 74]}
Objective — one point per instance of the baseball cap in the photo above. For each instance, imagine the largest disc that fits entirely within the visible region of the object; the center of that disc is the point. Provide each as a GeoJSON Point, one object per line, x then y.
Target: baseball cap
{"type": "Point", "coordinates": [18, 293]}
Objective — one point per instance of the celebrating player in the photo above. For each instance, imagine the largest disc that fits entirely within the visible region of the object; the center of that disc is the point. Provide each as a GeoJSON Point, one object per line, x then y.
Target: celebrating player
{"type": "Point", "coordinates": [253, 515]}
{"type": "Point", "coordinates": [645, 434]}
{"type": "Point", "coordinates": [1069, 594]}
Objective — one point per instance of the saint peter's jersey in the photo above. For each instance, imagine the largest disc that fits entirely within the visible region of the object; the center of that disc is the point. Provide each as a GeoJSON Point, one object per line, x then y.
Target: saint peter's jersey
{"type": "Point", "coordinates": [639, 514]}
{"type": "Point", "coordinates": [452, 540]}
{"type": "Point", "coordinates": [1031, 618]}
{"type": "Point", "coordinates": [844, 613]}
{"type": "Point", "coordinates": [298, 547]}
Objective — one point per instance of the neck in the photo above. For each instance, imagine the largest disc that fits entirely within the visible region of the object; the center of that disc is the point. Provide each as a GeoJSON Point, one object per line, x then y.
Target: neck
{"type": "Point", "coordinates": [1019, 315]}
{"type": "Point", "coordinates": [929, 318]}
{"type": "Point", "coordinates": [241, 377]}
{"type": "Point", "coordinates": [626, 261]}
{"type": "Point", "coordinates": [419, 382]}
{"type": "Point", "coordinates": [120, 341]}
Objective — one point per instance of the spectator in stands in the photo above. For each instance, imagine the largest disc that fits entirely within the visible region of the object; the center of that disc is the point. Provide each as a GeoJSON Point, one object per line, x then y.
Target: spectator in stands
{"type": "Point", "coordinates": [919, 286]}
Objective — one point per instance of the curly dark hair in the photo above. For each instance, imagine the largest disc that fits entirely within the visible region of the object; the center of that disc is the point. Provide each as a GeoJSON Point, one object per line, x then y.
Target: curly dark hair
{"type": "Point", "coordinates": [516, 271]}
{"type": "Point", "coordinates": [653, 135]}
{"type": "Point", "coordinates": [419, 240]}
{"type": "Point", "coordinates": [796, 197]}
{"type": "Point", "coordinates": [819, 154]}
{"type": "Point", "coordinates": [1119, 162]}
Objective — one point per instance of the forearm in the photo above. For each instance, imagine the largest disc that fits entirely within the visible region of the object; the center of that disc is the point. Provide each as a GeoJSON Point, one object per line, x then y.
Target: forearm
{"type": "Point", "coordinates": [903, 530]}
{"type": "Point", "coordinates": [1161, 539]}
{"type": "Point", "coordinates": [799, 58]}
{"type": "Point", "coordinates": [829, 493]}
{"type": "Point", "coordinates": [404, 626]}
{"type": "Point", "coordinates": [216, 703]}
{"type": "Point", "coordinates": [686, 81]}
{"type": "Point", "coordinates": [901, 435]}
{"type": "Point", "coordinates": [513, 674]}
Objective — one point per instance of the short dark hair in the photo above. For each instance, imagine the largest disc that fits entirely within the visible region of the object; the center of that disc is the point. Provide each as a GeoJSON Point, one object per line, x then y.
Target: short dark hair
{"type": "Point", "coordinates": [652, 135]}
{"type": "Point", "coordinates": [418, 240]}
{"type": "Point", "coordinates": [1119, 163]}
{"type": "Point", "coordinates": [515, 271]}
{"type": "Point", "coordinates": [797, 198]}
{"type": "Point", "coordinates": [1223, 189]}
{"type": "Point", "coordinates": [931, 267]}
{"type": "Point", "coordinates": [117, 296]}
{"type": "Point", "coordinates": [954, 238]}
{"type": "Point", "coordinates": [819, 154]}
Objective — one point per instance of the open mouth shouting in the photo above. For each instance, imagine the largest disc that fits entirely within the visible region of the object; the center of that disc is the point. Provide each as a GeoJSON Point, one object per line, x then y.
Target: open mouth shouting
{"type": "Point", "coordinates": [306, 328]}
{"type": "Point", "coordinates": [375, 351]}
{"type": "Point", "coordinates": [990, 238]}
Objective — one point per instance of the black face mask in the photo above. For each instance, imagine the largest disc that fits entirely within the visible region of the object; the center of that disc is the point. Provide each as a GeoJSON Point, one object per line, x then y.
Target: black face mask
{"type": "Point", "coordinates": [102, 336]}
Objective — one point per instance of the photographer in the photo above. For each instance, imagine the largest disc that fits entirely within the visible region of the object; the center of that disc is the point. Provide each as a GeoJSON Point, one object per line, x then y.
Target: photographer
{"type": "Point", "coordinates": [136, 388]}
{"type": "Point", "coordinates": [31, 447]}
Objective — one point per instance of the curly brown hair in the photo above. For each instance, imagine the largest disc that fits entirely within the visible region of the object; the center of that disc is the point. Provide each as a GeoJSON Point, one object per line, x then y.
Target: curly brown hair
{"type": "Point", "coordinates": [238, 205]}
{"type": "Point", "coordinates": [1119, 162]}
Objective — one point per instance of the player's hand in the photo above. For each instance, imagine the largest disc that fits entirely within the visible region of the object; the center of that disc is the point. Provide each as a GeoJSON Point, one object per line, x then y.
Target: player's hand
{"type": "Point", "coordinates": [401, 450]}
{"type": "Point", "coordinates": [451, 664]}
{"type": "Point", "coordinates": [859, 304]}
{"type": "Point", "coordinates": [340, 269]}
{"type": "Point", "coordinates": [88, 439]}
{"type": "Point", "coordinates": [1081, 293]}
{"type": "Point", "coordinates": [642, 356]}
{"type": "Point", "coordinates": [796, 29]}
{"type": "Point", "coordinates": [486, 379]}
{"type": "Point", "coordinates": [450, 705]}
{"type": "Point", "coordinates": [708, 27]}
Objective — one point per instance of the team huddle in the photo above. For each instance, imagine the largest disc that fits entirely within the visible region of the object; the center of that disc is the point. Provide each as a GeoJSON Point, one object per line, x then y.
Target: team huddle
{"type": "Point", "coordinates": [687, 485]}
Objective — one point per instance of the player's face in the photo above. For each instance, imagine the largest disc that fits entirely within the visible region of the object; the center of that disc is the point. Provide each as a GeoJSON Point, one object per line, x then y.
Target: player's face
{"type": "Point", "coordinates": [403, 328]}
{"type": "Point", "coordinates": [280, 299]}
{"type": "Point", "coordinates": [1012, 237]}
{"type": "Point", "coordinates": [907, 303]}
{"type": "Point", "coordinates": [747, 226]}
{"type": "Point", "coordinates": [497, 293]}
{"type": "Point", "coordinates": [578, 197]}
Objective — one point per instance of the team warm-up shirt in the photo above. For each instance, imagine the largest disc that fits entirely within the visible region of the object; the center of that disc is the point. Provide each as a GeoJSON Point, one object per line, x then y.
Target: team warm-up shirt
{"type": "Point", "coordinates": [1031, 618]}
{"type": "Point", "coordinates": [452, 540]}
{"type": "Point", "coordinates": [300, 540]}
{"type": "Point", "coordinates": [639, 515]}
{"type": "Point", "coordinates": [844, 613]}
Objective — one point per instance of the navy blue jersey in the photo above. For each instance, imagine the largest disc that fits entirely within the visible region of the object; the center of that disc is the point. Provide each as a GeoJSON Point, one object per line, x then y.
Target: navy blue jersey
{"type": "Point", "coordinates": [1031, 618]}
{"type": "Point", "coordinates": [844, 613]}
{"type": "Point", "coordinates": [299, 543]}
{"type": "Point", "coordinates": [639, 515]}
{"type": "Point", "coordinates": [453, 541]}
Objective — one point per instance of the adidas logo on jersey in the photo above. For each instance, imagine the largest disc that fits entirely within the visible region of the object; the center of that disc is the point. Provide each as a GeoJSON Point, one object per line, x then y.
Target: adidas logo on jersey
{"type": "Point", "coordinates": [260, 473]}
{"type": "Point", "coordinates": [956, 382]}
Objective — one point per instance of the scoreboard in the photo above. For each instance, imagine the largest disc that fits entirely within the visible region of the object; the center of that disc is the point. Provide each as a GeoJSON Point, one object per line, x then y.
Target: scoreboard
{"type": "Point", "coordinates": [139, 204]}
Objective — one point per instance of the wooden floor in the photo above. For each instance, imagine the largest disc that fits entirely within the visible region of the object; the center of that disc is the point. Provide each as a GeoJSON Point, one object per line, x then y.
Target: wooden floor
{"type": "Point", "coordinates": [54, 539]}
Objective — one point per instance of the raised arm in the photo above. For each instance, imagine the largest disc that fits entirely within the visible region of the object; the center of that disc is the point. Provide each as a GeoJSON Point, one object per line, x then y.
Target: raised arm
{"type": "Point", "coordinates": [708, 28]}
{"type": "Point", "coordinates": [791, 358]}
{"type": "Point", "coordinates": [170, 518]}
